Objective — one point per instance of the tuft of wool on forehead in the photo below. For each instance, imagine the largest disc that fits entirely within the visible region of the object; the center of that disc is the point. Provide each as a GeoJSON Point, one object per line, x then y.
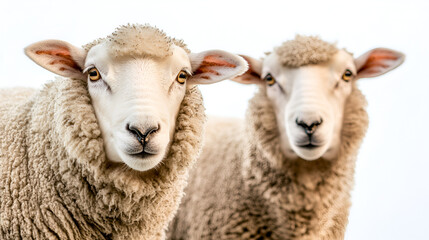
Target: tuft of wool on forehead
{"type": "Point", "coordinates": [305, 50]}
{"type": "Point", "coordinates": [139, 40]}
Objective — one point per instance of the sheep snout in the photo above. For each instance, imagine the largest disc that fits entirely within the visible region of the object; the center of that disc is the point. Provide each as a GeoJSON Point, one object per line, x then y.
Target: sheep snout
{"type": "Point", "coordinates": [309, 128]}
{"type": "Point", "coordinates": [143, 135]}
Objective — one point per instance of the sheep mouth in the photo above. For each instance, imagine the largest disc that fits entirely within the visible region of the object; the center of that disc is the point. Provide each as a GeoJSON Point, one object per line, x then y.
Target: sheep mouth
{"type": "Point", "coordinates": [142, 154]}
{"type": "Point", "coordinates": [309, 146]}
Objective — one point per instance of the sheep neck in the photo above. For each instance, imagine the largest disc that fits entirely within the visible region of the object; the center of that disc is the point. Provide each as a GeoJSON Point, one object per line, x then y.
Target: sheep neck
{"type": "Point", "coordinates": [104, 197]}
{"type": "Point", "coordinates": [305, 198]}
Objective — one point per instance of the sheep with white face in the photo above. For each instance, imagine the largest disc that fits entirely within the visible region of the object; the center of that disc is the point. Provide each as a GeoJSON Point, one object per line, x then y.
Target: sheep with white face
{"type": "Point", "coordinates": [309, 93]}
{"type": "Point", "coordinates": [104, 151]}
{"type": "Point", "coordinates": [286, 171]}
{"type": "Point", "coordinates": [136, 87]}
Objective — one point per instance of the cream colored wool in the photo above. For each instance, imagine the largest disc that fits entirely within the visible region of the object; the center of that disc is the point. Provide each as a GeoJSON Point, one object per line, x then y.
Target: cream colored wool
{"type": "Point", "coordinates": [305, 50]}
{"type": "Point", "coordinates": [139, 40]}
{"type": "Point", "coordinates": [244, 188]}
{"type": "Point", "coordinates": [55, 182]}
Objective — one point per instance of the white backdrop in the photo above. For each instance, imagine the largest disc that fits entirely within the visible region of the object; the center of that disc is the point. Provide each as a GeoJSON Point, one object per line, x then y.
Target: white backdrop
{"type": "Point", "coordinates": [391, 195]}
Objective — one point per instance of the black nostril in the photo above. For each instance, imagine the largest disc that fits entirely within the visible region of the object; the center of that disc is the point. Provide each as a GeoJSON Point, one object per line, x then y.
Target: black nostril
{"type": "Point", "coordinates": [136, 132]}
{"type": "Point", "coordinates": [301, 123]}
{"type": "Point", "coordinates": [150, 131]}
{"type": "Point", "coordinates": [317, 123]}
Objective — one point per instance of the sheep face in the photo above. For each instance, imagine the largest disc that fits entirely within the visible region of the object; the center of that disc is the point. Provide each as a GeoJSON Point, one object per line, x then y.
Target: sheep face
{"type": "Point", "coordinates": [136, 96]}
{"type": "Point", "coordinates": [136, 101]}
{"type": "Point", "coordinates": [309, 103]}
{"type": "Point", "coordinates": [309, 99]}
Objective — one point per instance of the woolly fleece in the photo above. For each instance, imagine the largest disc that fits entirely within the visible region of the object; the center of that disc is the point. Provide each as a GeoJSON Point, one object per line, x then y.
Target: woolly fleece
{"type": "Point", "coordinates": [55, 182]}
{"type": "Point", "coordinates": [139, 40]}
{"type": "Point", "coordinates": [244, 188]}
{"type": "Point", "coordinates": [305, 50]}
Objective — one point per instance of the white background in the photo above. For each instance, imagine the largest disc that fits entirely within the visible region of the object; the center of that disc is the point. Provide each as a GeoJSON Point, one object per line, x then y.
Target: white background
{"type": "Point", "coordinates": [391, 195]}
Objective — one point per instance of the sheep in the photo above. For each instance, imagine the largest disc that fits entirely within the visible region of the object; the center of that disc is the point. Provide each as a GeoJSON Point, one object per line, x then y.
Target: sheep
{"type": "Point", "coordinates": [286, 171]}
{"type": "Point", "coordinates": [103, 152]}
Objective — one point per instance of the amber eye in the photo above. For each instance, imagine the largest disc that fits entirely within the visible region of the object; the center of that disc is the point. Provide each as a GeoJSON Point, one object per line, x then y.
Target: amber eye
{"type": "Point", "coordinates": [94, 75]}
{"type": "Point", "coordinates": [182, 77]}
{"type": "Point", "coordinates": [270, 79]}
{"type": "Point", "coordinates": [347, 75]}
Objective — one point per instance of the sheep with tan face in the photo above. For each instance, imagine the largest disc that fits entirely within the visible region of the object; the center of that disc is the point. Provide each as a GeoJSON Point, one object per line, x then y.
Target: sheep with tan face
{"type": "Point", "coordinates": [104, 153]}
{"type": "Point", "coordinates": [285, 172]}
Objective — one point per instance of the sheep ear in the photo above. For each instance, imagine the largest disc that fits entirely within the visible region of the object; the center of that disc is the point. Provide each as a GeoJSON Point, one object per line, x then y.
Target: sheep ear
{"type": "Point", "coordinates": [214, 66]}
{"type": "Point", "coordinates": [253, 74]}
{"type": "Point", "coordinates": [58, 57]}
{"type": "Point", "coordinates": [377, 62]}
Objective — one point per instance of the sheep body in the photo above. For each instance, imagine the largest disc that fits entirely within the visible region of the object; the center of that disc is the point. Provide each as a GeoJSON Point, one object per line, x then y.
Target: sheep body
{"type": "Point", "coordinates": [55, 182]}
{"type": "Point", "coordinates": [14, 95]}
{"type": "Point", "coordinates": [243, 187]}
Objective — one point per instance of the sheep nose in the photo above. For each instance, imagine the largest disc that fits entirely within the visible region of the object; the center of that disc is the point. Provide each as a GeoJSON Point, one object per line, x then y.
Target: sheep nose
{"type": "Point", "coordinates": [309, 129]}
{"type": "Point", "coordinates": [143, 135]}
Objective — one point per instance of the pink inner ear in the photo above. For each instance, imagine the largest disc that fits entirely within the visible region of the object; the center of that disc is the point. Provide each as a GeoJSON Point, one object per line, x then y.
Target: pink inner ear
{"type": "Point", "coordinates": [62, 56]}
{"type": "Point", "coordinates": [210, 61]}
{"type": "Point", "coordinates": [250, 75]}
{"type": "Point", "coordinates": [378, 58]}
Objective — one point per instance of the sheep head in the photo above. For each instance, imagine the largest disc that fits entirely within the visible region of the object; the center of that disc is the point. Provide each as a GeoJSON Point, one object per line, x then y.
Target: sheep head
{"type": "Point", "coordinates": [308, 82]}
{"type": "Point", "coordinates": [137, 94]}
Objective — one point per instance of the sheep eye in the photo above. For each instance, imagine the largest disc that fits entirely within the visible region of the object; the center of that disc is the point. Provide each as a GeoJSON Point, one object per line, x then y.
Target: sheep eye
{"type": "Point", "coordinates": [182, 77]}
{"type": "Point", "coordinates": [347, 75]}
{"type": "Point", "coordinates": [270, 79]}
{"type": "Point", "coordinates": [94, 74]}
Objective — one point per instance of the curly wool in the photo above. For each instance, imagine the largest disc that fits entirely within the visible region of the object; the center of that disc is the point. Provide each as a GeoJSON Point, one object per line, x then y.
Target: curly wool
{"type": "Point", "coordinates": [55, 182]}
{"type": "Point", "coordinates": [305, 50]}
{"type": "Point", "coordinates": [244, 188]}
{"type": "Point", "coordinates": [139, 40]}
